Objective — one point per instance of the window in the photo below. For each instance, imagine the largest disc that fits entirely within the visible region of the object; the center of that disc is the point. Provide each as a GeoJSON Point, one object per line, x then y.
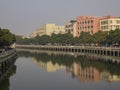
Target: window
{"type": "Point", "coordinates": [91, 21]}
{"type": "Point", "coordinates": [104, 27]}
{"type": "Point", "coordinates": [118, 21]}
{"type": "Point", "coordinates": [88, 22]}
{"type": "Point", "coordinates": [106, 22]}
{"type": "Point", "coordinates": [111, 21]}
{"type": "Point", "coordinates": [117, 27]}
{"type": "Point", "coordinates": [91, 26]}
{"type": "Point", "coordinates": [79, 22]}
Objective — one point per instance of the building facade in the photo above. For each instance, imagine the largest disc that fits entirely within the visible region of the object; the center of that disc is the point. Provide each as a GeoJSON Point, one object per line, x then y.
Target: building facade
{"type": "Point", "coordinates": [87, 24]}
{"type": "Point", "coordinates": [52, 28]}
{"type": "Point", "coordinates": [38, 32]}
{"type": "Point", "coordinates": [71, 27]}
{"type": "Point", "coordinates": [48, 29]}
{"type": "Point", "coordinates": [108, 23]}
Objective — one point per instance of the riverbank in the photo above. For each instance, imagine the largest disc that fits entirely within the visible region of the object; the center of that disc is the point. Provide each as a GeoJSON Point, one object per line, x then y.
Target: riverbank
{"type": "Point", "coordinates": [5, 53]}
{"type": "Point", "coordinates": [7, 59]}
{"type": "Point", "coordinates": [107, 51]}
{"type": "Point", "coordinates": [5, 56]}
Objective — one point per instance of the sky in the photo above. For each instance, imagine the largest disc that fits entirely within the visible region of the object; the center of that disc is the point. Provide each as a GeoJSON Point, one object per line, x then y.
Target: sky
{"type": "Point", "coordinates": [22, 17]}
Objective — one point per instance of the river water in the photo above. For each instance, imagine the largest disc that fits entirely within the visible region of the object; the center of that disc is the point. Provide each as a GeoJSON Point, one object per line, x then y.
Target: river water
{"type": "Point", "coordinates": [48, 71]}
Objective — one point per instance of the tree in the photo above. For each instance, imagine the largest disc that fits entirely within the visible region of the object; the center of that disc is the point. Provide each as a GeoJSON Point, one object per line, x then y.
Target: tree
{"type": "Point", "coordinates": [99, 37]}
{"type": "Point", "coordinates": [114, 36]}
{"type": "Point", "coordinates": [43, 40]}
{"type": "Point", "coordinates": [85, 37]}
{"type": "Point", "coordinates": [6, 38]}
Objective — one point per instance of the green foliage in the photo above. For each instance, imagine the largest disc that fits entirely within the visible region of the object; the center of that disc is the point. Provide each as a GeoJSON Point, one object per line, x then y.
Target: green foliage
{"type": "Point", "coordinates": [59, 39]}
{"type": "Point", "coordinates": [62, 39]}
{"type": "Point", "coordinates": [22, 40]}
{"type": "Point", "coordinates": [6, 37]}
{"type": "Point", "coordinates": [85, 37]}
{"type": "Point", "coordinates": [43, 39]}
{"type": "Point", "coordinates": [101, 38]}
{"type": "Point", "coordinates": [67, 60]}
{"type": "Point", "coordinates": [114, 36]}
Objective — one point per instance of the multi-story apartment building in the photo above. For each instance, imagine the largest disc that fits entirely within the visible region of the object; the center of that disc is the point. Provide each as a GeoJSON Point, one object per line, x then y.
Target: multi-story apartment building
{"type": "Point", "coordinates": [52, 28]}
{"type": "Point", "coordinates": [87, 24]}
{"type": "Point", "coordinates": [108, 23]}
{"type": "Point", "coordinates": [48, 29]}
{"type": "Point", "coordinates": [38, 32]}
{"type": "Point", "coordinates": [71, 27]}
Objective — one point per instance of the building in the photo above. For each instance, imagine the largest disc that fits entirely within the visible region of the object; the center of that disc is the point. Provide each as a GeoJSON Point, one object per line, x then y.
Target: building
{"type": "Point", "coordinates": [48, 29]}
{"type": "Point", "coordinates": [38, 32]}
{"type": "Point", "coordinates": [87, 24]}
{"type": "Point", "coordinates": [52, 28]}
{"type": "Point", "coordinates": [108, 23]}
{"type": "Point", "coordinates": [71, 27]}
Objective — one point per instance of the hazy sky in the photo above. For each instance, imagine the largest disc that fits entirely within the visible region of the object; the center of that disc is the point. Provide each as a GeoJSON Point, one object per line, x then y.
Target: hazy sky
{"type": "Point", "coordinates": [24, 16]}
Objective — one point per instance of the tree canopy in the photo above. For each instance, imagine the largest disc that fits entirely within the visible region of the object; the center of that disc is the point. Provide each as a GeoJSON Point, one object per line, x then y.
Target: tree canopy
{"type": "Point", "coordinates": [114, 36]}
{"type": "Point", "coordinates": [101, 38]}
{"type": "Point", "coordinates": [85, 37]}
{"type": "Point", "coordinates": [6, 38]}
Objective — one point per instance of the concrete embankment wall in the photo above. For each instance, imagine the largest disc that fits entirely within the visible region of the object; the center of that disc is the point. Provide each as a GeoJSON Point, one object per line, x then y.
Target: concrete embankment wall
{"type": "Point", "coordinates": [6, 59]}
{"type": "Point", "coordinates": [108, 51]}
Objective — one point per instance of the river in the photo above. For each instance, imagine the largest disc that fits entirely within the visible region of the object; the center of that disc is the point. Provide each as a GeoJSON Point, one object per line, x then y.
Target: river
{"type": "Point", "coordinates": [48, 71]}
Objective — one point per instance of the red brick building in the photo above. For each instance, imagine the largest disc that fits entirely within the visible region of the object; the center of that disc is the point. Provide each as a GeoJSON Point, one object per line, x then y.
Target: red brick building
{"type": "Point", "coordinates": [87, 24]}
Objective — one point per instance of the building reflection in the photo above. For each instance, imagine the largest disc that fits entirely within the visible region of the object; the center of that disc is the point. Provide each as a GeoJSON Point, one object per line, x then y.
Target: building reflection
{"type": "Point", "coordinates": [109, 77]}
{"type": "Point", "coordinates": [85, 74]}
{"type": "Point", "coordinates": [48, 66]}
{"type": "Point", "coordinates": [91, 74]}
{"type": "Point", "coordinates": [86, 68]}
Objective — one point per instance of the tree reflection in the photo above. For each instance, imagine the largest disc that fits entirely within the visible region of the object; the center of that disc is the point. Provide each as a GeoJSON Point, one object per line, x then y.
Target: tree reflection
{"type": "Point", "coordinates": [85, 68]}
{"type": "Point", "coordinates": [4, 77]}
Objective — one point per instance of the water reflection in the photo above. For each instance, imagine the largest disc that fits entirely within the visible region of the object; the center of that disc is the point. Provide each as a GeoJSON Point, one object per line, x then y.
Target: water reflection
{"type": "Point", "coordinates": [5, 76]}
{"type": "Point", "coordinates": [91, 73]}
{"type": "Point", "coordinates": [84, 68]}
{"type": "Point", "coordinates": [49, 66]}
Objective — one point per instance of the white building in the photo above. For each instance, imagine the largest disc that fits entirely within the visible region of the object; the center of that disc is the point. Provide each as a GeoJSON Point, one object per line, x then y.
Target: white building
{"type": "Point", "coordinates": [108, 23]}
{"type": "Point", "coordinates": [52, 28]}
{"type": "Point", "coordinates": [38, 32]}
{"type": "Point", "coordinates": [48, 29]}
{"type": "Point", "coordinates": [71, 27]}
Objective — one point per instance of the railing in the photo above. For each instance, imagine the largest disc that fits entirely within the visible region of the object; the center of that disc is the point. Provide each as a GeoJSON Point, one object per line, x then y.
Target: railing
{"type": "Point", "coordinates": [4, 53]}
{"type": "Point", "coordinates": [83, 47]}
